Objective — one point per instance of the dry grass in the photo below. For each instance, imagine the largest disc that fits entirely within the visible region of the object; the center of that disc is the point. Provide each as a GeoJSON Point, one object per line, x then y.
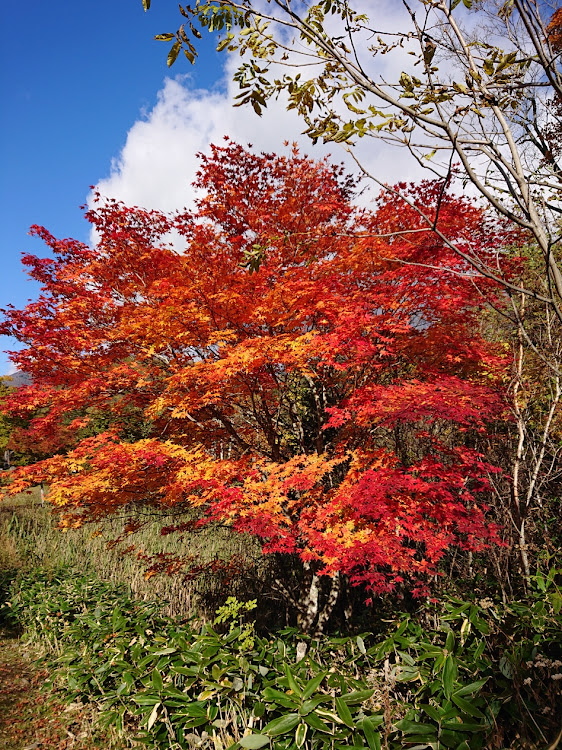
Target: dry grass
{"type": "Point", "coordinates": [28, 533]}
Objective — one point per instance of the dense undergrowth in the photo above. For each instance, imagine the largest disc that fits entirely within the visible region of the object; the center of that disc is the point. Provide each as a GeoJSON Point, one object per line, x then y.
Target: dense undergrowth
{"type": "Point", "coordinates": [463, 673]}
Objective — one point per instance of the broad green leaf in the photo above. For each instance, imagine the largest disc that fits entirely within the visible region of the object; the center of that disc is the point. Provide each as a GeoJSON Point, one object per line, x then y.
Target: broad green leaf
{"type": "Point", "coordinates": [357, 696]}
{"type": "Point", "coordinates": [467, 707]}
{"type": "Point", "coordinates": [254, 741]}
{"type": "Point", "coordinates": [313, 685]}
{"type": "Point", "coordinates": [471, 688]}
{"type": "Point", "coordinates": [506, 667]}
{"type": "Point", "coordinates": [373, 738]}
{"type": "Point", "coordinates": [479, 624]}
{"type": "Point", "coordinates": [314, 721]}
{"type": "Point", "coordinates": [156, 680]}
{"type": "Point", "coordinates": [431, 711]}
{"type": "Point", "coordinates": [414, 727]}
{"type": "Point", "coordinates": [291, 680]}
{"type": "Point", "coordinates": [300, 734]}
{"type": "Point", "coordinates": [270, 695]}
{"type": "Point", "coordinates": [450, 672]}
{"type": "Point", "coordinates": [312, 703]}
{"type": "Point", "coordinates": [344, 713]}
{"type": "Point", "coordinates": [146, 700]}
{"type": "Point", "coordinates": [464, 726]}
{"type": "Point", "coordinates": [282, 725]}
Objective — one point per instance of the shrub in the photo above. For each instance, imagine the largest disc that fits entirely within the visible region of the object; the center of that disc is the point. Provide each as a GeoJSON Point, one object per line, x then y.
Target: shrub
{"type": "Point", "coordinates": [463, 675]}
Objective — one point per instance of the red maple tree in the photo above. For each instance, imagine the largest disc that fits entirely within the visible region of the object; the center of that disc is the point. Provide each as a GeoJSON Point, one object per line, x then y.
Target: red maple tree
{"type": "Point", "coordinates": [302, 370]}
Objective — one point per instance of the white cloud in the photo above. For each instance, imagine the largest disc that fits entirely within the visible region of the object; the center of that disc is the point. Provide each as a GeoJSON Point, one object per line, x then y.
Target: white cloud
{"type": "Point", "coordinates": [159, 160]}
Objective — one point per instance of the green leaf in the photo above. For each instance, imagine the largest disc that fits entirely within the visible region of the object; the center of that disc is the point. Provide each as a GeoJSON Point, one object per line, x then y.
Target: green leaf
{"type": "Point", "coordinates": [457, 726]}
{"type": "Point", "coordinates": [314, 721]}
{"type": "Point", "coordinates": [312, 685]}
{"type": "Point", "coordinates": [291, 680]}
{"type": "Point", "coordinates": [414, 727]}
{"type": "Point", "coordinates": [254, 741]}
{"type": "Point", "coordinates": [282, 725]}
{"type": "Point", "coordinates": [196, 709]}
{"type": "Point", "coordinates": [156, 680]}
{"type": "Point", "coordinates": [471, 688]}
{"type": "Point", "coordinates": [300, 734]}
{"type": "Point", "coordinates": [357, 696]}
{"type": "Point", "coordinates": [373, 738]}
{"type": "Point", "coordinates": [431, 711]}
{"type": "Point", "coordinates": [408, 674]}
{"type": "Point", "coordinates": [312, 703]}
{"type": "Point", "coordinates": [506, 667]}
{"type": "Point", "coordinates": [344, 713]}
{"type": "Point", "coordinates": [450, 672]}
{"type": "Point", "coordinates": [146, 700]}
{"type": "Point", "coordinates": [276, 696]}
{"type": "Point", "coordinates": [467, 707]}
{"type": "Point", "coordinates": [361, 644]}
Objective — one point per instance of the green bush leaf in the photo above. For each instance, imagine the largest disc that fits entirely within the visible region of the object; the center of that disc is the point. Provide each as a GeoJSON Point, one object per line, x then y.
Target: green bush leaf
{"type": "Point", "coordinates": [300, 734]}
{"type": "Point", "coordinates": [450, 672]}
{"type": "Point", "coordinates": [357, 696]}
{"type": "Point", "coordinates": [467, 707]}
{"type": "Point", "coordinates": [254, 741]}
{"type": "Point", "coordinates": [291, 680]}
{"type": "Point", "coordinates": [313, 685]}
{"type": "Point", "coordinates": [146, 700]}
{"type": "Point", "coordinates": [282, 725]}
{"type": "Point", "coordinates": [373, 738]}
{"type": "Point", "coordinates": [314, 721]}
{"type": "Point", "coordinates": [471, 688]}
{"type": "Point", "coordinates": [344, 713]}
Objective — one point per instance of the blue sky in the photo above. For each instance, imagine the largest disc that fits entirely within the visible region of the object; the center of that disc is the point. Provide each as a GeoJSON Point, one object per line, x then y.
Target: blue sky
{"type": "Point", "coordinates": [75, 76]}
{"type": "Point", "coordinates": [88, 100]}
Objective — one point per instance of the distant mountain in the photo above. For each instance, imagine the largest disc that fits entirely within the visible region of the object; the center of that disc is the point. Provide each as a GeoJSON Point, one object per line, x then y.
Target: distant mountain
{"type": "Point", "coordinates": [17, 379]}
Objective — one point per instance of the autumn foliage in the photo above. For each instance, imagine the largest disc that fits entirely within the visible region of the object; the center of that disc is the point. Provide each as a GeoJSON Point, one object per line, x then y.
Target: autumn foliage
{"type": "Point", "coordinates": [294, 367]}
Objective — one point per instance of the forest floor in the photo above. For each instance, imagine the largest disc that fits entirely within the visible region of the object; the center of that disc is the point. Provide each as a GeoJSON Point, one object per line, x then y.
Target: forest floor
{"type": "Point", "coordinates": [32, 719]}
